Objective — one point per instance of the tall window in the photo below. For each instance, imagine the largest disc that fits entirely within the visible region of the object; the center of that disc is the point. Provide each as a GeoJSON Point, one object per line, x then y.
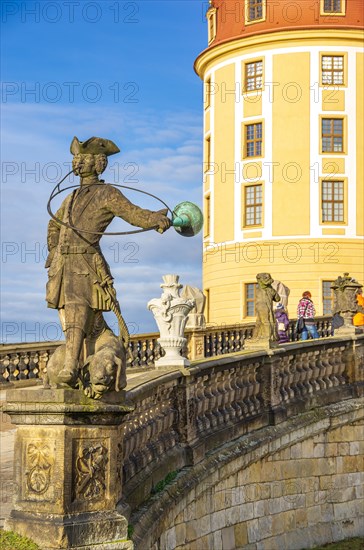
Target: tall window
{"type": "Point", "coordinates": [332, 67]}
{"type": "Point", "coordinates": [332, 135]}
{"type": "Point", "coordinates": [207, 93]}
{"type": "Point", "coordinates": [255, 10]}
{"type": "Point", "coordinates": [207, 215]}
{"type": "Point", "coordinates": [253, 140]}
{"type": "Point", "coordinates": [332, 201]}
{"type": "Point", "coordinates": [207, 154]}
{"type": "Point", "coordinates": [207, 304]}
{"type": "Point", "coordinates": [211, 24]}
{"type": "Point", "coordinates": [253, 76]}
{"type": "Point", "coordinates": [253, 205]}
{"type": "Point", "coordinates": [250, 289]}
{"type": "Point", "coordinates": [333, 6]}
{"type": "Point", "coordinates": [327, 297]}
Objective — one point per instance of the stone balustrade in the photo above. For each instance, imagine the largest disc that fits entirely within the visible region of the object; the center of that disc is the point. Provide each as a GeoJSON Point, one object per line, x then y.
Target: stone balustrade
{"type": "Point", "coordinates": [175, 423]}
{"type": "Point", "coordinates": [26, 361]}
{"type": "Point", "coordinates": [178, 417]}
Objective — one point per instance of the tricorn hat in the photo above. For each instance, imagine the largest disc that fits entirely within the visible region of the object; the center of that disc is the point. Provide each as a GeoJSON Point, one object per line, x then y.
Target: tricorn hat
{"type": "Point", "coordinates": [94, 146]}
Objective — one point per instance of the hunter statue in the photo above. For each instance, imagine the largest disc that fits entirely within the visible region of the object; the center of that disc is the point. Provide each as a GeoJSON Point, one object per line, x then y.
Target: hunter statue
{"type": "Point", "coordinates": [80, 284]}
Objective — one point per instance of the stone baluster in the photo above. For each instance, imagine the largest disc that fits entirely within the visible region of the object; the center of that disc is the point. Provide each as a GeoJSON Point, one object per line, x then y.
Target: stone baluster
{"type": "Point", "coordinates": [256, 388]}
{"type": "Point", "coordinates": [34, 365]}
{"type": "Point", "coordinates": [244, 391]}
{"type": "Point", "coordinates": [314, 356]}
{"type": "Point", "coordinates": [306, 374]}
{"type": "Point", "coordinates": [13, 367]}
{"type": "Point", "coordinates": [228, 396]}
{"type": "Point", "coordinates": [208, 401]}
{"type": "Point", "coordinates": [235, 374]}
{"type": "Point", "coordinates": [271, 382]}
{"type": "Point", "coordinates": [285, 373]}
{"type": "Point", "coordinates": [5, 372]}
{"type": "Point", "coordinates": [334, 356]}
{"type": "Point", "coordinates": [339, 365]}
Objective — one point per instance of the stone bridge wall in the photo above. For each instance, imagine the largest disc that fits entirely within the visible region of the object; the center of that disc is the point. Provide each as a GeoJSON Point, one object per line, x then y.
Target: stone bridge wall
{"type": "Point", "coordinates": [184, 420]}
{"type": "Point", "coordinates": [294, 487]}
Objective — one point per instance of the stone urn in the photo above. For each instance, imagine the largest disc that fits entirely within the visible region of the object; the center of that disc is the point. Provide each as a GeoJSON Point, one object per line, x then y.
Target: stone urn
{"type": "Point", "coordinates": [170, 312]}
{"type": "Point", "coordinates": [345, 291]}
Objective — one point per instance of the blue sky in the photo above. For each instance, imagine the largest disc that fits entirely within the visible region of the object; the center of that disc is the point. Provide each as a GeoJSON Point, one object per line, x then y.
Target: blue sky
{"type": "Point", "coordinates": [120, 70]}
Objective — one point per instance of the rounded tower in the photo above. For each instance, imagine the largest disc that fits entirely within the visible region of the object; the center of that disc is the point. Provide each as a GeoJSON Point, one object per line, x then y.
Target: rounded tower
{"type": "Point", "coordinates": [283, 150]}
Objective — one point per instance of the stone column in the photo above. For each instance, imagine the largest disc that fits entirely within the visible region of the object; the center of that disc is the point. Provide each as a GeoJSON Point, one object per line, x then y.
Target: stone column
{"type": "Point", "coordinates": [68, 469]}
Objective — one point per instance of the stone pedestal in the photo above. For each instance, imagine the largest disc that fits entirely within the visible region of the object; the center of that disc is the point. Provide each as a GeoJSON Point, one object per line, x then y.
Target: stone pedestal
{"type": "Point", "coordinates": [67, 469]}
{"type": "Point", "coordinates": [172, 358]}
{"type": "Point", "coordinates": [196, 345]}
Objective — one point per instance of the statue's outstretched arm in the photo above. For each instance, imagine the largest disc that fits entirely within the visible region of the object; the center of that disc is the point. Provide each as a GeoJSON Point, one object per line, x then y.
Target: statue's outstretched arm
{"type": "Point", "coordinates": [120, 206]}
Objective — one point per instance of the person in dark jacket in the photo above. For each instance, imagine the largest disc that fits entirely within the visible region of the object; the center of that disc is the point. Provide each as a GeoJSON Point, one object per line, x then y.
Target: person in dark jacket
{"type": "Point", "coordinates": [282, 323]}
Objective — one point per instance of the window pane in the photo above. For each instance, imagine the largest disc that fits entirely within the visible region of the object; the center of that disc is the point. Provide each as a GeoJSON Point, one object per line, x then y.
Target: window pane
{"type": "Point", "coordinates": [250, 131]}
{"type": "Point", "coordinates": [326, 78]}
{"type": "Point", "coordinates": [326, 144]}
{"type": "Point", "coordinates": [332, 6]}
{"type": "Point", "coordinates": [338, 144]}
{"type": "Point", "coordinates": [338, 126]}
{"type": "Point", "coordinates": [326, 62]}
{"type": "Point", "coordinates": [258, 219]}
{"type": "Point", "coordinates": [326, 125]}
{"type": "Point", "coordinates": [250, 290]}
{"type": "Point", "coordinates": [250, 69]}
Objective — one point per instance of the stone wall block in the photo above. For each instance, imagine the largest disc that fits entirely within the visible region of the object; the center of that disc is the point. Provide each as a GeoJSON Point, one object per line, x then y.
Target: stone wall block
{"type": "Point", "coordinates": [228, 538]}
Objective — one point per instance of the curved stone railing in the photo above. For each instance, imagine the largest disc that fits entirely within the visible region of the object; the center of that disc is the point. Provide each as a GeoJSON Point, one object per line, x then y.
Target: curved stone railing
{"type": "Point", "coordinates": [121, 453]}
{"type": "Point", "coordinates": [178, 417]}
{"type": "Point", "coordinates": [26, 361]}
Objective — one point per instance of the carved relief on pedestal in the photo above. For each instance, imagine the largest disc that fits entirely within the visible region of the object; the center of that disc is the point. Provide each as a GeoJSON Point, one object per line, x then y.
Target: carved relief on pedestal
{"type": "Point", "coordinates": [90, 470]}
{"type": "Point", "coordinates": [39, 461]}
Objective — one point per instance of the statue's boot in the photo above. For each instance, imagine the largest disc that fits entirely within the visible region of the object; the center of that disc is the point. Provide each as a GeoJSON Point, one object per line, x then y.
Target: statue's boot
{"type": "Point", "coordinates": [69, 374]}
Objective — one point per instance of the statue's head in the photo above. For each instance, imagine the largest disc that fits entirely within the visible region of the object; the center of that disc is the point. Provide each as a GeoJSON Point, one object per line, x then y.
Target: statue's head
{"type": "Point", "coordinates": [264, 279]}
{"type": "Point", "coordinates": [90, 156]}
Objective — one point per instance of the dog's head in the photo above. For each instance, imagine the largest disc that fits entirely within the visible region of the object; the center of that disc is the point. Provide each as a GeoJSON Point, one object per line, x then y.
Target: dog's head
{"type": "Point", "coordinates": [104, 373]}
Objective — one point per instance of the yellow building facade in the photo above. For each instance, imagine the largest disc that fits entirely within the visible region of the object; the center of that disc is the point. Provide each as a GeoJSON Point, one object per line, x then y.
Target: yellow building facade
{"type": "Point", "coordinates": [283, 151]}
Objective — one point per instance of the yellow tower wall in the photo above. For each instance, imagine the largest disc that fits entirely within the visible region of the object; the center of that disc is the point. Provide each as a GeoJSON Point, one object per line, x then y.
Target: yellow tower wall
{"type": "Point", "coordinates": [292, 243]}
{"type": "Point", "coordinates": [223, 157]}
{"type": "Point", "coordinates": [291, 199]}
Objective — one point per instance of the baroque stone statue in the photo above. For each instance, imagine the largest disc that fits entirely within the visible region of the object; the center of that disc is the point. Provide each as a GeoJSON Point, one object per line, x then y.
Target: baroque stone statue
{"type": "Point", "coordinates": [265, 330]}
{"type": "Point", "coordinates": [80, 284]}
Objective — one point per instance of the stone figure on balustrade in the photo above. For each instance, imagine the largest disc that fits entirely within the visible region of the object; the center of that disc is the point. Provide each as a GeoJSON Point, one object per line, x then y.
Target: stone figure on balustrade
{"type": "Point", "coordinates": [80, 284]}
{"type": "Point", "coordinates": [265, 330]}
